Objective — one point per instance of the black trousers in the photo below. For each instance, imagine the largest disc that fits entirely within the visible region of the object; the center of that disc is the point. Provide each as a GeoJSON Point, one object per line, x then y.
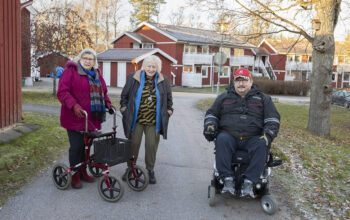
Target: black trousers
{"type": "Point", "coordinates": [76, 149]}
{"type": "Point", "coordinates": [226, 145]}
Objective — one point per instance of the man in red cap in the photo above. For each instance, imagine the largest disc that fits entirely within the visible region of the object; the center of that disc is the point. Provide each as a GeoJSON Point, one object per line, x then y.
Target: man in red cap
{"type": "Point", "coordinates": [241, 118]}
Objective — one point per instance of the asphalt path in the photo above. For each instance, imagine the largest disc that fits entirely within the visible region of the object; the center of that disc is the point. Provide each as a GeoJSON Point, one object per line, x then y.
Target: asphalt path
{"type": "Point", "coordinates": [183, 170]}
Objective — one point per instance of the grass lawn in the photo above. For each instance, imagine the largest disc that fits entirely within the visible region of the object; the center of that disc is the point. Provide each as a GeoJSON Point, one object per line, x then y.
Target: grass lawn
{"type": "Point", "coordinates": [316, 170]}
{"type": "Point", "coordinates": [198, 90]}
{"type": "Point", "coordinates": [46, 98]}
{"type": "Point", "coordinates": [23, 158]}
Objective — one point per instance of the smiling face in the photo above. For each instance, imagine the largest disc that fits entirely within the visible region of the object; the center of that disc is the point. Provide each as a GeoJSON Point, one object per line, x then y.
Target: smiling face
{"type": "Point", "coordinates": [242, 85]}
{"type": "Point", "coordinates": [87, 61]}
{"type": "Point", "coordinates": [150, 68]}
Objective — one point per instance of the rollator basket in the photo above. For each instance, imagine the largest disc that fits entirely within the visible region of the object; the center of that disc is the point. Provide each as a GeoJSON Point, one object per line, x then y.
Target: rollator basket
{"type": "Point", "coordinates": [112, 151]}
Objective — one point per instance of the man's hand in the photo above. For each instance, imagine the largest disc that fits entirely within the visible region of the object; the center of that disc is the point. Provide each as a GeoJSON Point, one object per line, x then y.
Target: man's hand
{"type": "Point", "coordinates": [210, 131]}
{"type": "Point", "coordinates": [78, 111]}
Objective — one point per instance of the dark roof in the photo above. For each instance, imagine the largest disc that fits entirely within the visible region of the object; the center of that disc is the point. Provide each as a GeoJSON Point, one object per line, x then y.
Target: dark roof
{"type": "Point", "coordinates": [194, 35]}
{"type": "Point", "coordinates": [140, 37]}
{"type": "Point", "coordinates": [122, 54]}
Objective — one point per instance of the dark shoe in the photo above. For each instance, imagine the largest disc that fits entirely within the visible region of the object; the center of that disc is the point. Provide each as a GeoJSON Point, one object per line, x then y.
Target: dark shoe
{"type": "Point", "coordinates": [85, 176]}
{"type": "Point", "coordinates": [76, 184]}
{"type": "Point", "coordinates": [247, 189]}
{"type": "Point", "coordinates": [229, 186]}
{"type": "Point", "coordinates": [152, 178]}
{"type": "Point", "coordinates": [125, 174]}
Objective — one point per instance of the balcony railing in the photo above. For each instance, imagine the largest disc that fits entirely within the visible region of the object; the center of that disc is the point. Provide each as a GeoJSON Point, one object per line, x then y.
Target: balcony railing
{"type": "Point", "coordinates": [292, 65]}
{"type": "Point", "coordinates": [193, 58]}
{"type": "Point", "coordinates": [242, 61]}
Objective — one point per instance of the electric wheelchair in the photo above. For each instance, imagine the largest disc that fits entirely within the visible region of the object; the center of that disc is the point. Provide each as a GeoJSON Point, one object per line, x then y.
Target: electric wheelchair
{"type": "Point", "coordinates": [240, 162]}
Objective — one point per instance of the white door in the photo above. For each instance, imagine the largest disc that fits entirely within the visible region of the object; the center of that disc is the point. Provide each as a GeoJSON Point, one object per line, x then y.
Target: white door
{"type": "Point", "coordinates": [107, 72]}
{"type": "Point", "coordinates": [121, 74]}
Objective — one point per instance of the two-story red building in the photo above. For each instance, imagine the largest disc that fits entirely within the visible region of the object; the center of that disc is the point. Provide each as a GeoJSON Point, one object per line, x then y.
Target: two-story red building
{"type": "Point", "coordinates": [193, 52]}
{"type": "Point", "coordinates": [291, 59]}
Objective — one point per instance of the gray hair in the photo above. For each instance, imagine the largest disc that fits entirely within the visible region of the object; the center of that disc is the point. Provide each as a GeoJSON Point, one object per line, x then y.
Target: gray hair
{"type": "Point", "coordinates": [87, 51]}
{"type": "Point", "coordinates": [152, 59]}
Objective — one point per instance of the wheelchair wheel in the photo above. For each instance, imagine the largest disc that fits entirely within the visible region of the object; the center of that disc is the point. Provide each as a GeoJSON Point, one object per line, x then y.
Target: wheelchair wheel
{"type": "Point", "coordinates": [269, 204]}
{"type": "Point", "coordinates": [60, 176]}
{"type": "Point", "coordinates": [211, 195]}
{"type": "Point", "coordinates": [139, 181]}
{"type": "Point", "coordinates": [110, 189]}
{"type": "Point", "coordinates": [95, 171]}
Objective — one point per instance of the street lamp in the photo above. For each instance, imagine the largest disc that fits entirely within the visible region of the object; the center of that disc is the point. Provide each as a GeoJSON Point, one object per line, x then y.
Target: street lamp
{"type": "Point", "coordinates": [220, 57]}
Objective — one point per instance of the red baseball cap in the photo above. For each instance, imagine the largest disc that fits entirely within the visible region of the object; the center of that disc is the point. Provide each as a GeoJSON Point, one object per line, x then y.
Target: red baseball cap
{"type": "Point", "coordinates": [243, 73]}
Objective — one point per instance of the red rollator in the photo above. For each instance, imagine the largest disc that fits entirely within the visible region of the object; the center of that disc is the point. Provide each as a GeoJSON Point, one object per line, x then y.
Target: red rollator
{"type": "Point", "coordinates": [108, 150]}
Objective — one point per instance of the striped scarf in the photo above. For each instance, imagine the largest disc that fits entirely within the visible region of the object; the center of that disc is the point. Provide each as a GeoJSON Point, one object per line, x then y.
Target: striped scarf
{"type": "Point", "coordinates": [97, 102]}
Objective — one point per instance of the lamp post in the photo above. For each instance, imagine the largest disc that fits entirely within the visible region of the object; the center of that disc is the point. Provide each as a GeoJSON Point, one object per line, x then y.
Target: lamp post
{"type": "Point", "coordinates": [220, 57]}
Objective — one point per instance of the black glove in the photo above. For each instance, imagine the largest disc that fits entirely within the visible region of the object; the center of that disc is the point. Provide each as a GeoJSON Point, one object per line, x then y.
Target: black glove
{"type": "Point", "coordinates": [111, 110]}
{"type": "Point", "coordinates": [210, 131]}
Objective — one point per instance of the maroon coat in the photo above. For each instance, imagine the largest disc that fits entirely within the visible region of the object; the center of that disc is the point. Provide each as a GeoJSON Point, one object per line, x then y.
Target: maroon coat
{"type": "Point", "coordinates": [74, 88]}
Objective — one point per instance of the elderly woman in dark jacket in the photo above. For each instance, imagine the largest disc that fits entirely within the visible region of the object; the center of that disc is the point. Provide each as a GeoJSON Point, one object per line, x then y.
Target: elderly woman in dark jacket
{"type": "Point", "coordinates": [146, 104]}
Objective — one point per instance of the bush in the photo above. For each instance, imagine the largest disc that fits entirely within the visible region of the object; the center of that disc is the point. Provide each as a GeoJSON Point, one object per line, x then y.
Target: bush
{"type": "Point", "coordinates": [276, 87]}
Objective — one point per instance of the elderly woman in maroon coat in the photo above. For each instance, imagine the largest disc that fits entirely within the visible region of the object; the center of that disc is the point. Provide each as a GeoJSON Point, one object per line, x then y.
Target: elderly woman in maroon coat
{"type": "Point", "coordinates": [82, 87]}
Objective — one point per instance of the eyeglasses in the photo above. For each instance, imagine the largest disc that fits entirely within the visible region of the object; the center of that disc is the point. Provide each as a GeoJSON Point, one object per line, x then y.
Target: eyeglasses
{"type": "Point", "coordinates": [241, 81]}
{"type": "Point", "coordinates": [88, 59]}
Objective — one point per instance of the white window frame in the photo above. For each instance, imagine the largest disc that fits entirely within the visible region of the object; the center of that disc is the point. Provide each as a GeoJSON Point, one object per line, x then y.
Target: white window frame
{"type": "Point", "coordinates": [190, 49]}
{"type": "Point", "coordinates": [227, 74]}
{"type": "Point", "coordinates": [147, 45]}
{"type": "Point", "coordinates": [238, 52]}
{"type": "Point", "coordinates": [207, 71]}
{"type": "Point", "coordinates": [188, 66]}
{"type": "Point", "coordinates": [205, 49]}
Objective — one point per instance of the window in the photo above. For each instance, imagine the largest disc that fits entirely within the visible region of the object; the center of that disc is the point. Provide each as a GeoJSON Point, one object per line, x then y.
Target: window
{"type": "Point", "coordinates": [346, 76]}
{"type": "Point", "coordinates": [226, 50]}
{"type": "Point", "coordinates": [188, 69]}
{"type": "Point", "coordinates": [310, 58]}
{"type": "Point", "coordinates": [304, 58]}
{"type": "Point", "coordinates": [225, 71]}
{"type": "Point", "coordinates": [190, 49]}
{"type": "Point", "coordinates": [297, 58]}
{"type": "Point", "coordinates": [198, 69]}
{"type": "Point", "coordinates": [238, 52]}
{"type": "Point", "coordinates": [205, 49]}
{"type": "Point", "coordinates": [290, 58]}
{"type": "Point", "coordinates": [205, 71]}
{"type": "Point", "coordinates": [136, 45]}
{"type": "Point", "coordinates": [147, 45]}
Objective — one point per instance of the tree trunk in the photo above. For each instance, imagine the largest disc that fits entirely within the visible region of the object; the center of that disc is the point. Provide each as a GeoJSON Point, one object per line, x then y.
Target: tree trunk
{"type": "Point", "coordinates": [322, 68]}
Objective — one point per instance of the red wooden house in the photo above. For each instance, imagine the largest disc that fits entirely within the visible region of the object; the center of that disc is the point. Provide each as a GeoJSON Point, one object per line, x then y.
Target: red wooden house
{"type": "Point", "coordinates": [117, 63]}
{"type": "Point", "coordinates": [10, 62]}
{"type": "Point", "coordinates": [194, 49]}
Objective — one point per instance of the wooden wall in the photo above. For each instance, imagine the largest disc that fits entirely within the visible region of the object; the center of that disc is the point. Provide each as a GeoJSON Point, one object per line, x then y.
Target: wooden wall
{"type": "Point", "coordinates": [10, 63]}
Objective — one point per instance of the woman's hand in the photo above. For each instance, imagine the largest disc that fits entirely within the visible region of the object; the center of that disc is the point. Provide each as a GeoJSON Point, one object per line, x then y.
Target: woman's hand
{"type": "Point", "coordinates": [78, 111]}
{"type": "Point", "coordinates": [170, 112]}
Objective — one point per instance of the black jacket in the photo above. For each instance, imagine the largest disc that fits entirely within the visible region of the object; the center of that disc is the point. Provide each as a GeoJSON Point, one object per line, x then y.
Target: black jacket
{"type": "Point", "coordinates": [254, 114]}
{"type": "Point", "coordinates": [127, 99]}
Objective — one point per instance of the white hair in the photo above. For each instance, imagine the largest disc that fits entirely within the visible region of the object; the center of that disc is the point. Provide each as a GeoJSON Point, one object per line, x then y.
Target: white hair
{"type": "Point", "coordinates": [152, 59]}
{"type": "Point", "coordinates": [87, 51]}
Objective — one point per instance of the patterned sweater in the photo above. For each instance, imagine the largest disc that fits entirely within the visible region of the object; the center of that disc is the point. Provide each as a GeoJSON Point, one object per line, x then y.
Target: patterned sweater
{"type": "Point", "coordinates": [147, 110]}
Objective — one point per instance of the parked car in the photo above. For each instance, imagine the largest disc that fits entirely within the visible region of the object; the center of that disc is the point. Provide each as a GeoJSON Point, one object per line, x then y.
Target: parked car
{"type": "Point", "coordinates": [341, 98]}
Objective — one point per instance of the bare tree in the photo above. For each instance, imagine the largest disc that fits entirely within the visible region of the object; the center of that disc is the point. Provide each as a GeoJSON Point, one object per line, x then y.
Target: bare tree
{"type": "Point", "coordinates": [296, 17]}
{"type": "Point", "coordinates": [177, 17]}
{"type": "Point", "coordinates": [58, 30]}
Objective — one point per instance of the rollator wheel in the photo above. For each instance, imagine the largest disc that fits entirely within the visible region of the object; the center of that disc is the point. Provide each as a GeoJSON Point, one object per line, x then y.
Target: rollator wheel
{"type": "Point", "coordinates": [95, 171]}
{"type": "Point", "coordinates": [114, 192]}
{"type": "Point", "coordinates": [211, 195]}
{"type": "Point", "coordinates": [60, 176]}
{"type": "Point", "coordinates": [139, 181]}
{"type": "Point", "coordinates": [269, 204]}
